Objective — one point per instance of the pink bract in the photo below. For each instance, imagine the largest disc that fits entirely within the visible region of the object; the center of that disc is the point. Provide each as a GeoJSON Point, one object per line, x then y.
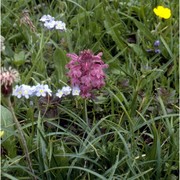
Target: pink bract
{"type": "Point", "coordinates": [86, 72]}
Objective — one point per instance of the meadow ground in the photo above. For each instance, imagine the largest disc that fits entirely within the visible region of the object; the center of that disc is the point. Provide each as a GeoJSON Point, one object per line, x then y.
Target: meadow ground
{"type": "Point", "coordinates": [124, 124]}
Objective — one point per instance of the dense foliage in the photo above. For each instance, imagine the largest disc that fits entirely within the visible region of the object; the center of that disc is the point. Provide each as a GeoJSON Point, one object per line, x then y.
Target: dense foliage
{"type": "Point", "coordinates": [129, 128]}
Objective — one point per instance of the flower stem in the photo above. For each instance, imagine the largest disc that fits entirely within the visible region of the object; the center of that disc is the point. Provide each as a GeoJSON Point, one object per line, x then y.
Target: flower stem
{"type": "Point", "coordinates": [85, 112]}
{"type": "Point", "coordinates": [21, 135]}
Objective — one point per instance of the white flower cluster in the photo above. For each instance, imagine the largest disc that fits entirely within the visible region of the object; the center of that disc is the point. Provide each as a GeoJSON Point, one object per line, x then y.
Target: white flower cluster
{"type": "Point", "coordinates": [50, 23]}
{"type": "Point", "coordinates": [66, 90]}
{"type": "Point", "coordinates": [42, 90]}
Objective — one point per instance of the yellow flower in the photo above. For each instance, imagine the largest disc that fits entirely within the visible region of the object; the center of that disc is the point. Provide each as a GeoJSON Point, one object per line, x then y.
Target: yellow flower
{"type": "Point", "coordinates": [1, 133]}
{"type": "Point", "coordinates": [162, 12]}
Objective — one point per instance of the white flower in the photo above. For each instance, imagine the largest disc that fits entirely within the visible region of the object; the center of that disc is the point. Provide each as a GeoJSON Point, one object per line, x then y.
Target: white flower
{"type": "Point", "coordinates": [50, 24]}
{"type": "Point", "coordinates": [46, 18]}
{"type": "Point", "coordinates": [60, 25]}
{"type": "Point", "coordinates": [33, 90]}
{"type": "Point", "coordinates": [47, 89]}
{"type": "Point", "coordinates": [17, 91]}
{"type": "Point", "coordinates": [66, 90]}
{"type": "Point", "coordinates": [76, 91]}
{"type": "Point", "coordinates": [42, 90]}
{"type": "Point", "coordinates": [22, 91]}
{"type": "Point", "coordinates": [26, 91]}
{"type": "Point", "coordinates": [59, 93]}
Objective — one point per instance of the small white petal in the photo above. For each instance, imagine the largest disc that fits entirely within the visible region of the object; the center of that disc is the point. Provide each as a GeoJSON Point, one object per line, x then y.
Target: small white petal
{"type": "Point", "coordinates": [59, 93]}
{"type": "Point", "coordinates": [76, 91]}
{"type": "Point", "coordinates": [60, 25]}
{"type": "Point", "coordinates": [66, 90]}
{"type": "Point", "coordinates": [50, 24]}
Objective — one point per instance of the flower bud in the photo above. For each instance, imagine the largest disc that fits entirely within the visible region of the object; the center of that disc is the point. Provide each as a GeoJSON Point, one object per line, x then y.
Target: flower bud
{"type": "Point", "coordinates": [156, 43]}
{"type": "Point", "coordinates": [7, 78]}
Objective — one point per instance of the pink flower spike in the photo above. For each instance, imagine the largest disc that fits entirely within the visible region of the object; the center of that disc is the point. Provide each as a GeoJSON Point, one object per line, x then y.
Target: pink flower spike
{"type": "Point", "coordinates": [86, 71]}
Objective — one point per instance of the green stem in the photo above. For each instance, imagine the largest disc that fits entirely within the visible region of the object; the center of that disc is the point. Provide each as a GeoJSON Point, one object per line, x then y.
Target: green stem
{"type": "Point", "coordinates": [85, 112]}
{"type": "Point", "coordinates": [21, 135]}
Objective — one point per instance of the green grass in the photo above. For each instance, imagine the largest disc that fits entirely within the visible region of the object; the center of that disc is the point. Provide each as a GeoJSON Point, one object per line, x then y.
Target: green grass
{"type": "Point", "coordinates": [131, 130]}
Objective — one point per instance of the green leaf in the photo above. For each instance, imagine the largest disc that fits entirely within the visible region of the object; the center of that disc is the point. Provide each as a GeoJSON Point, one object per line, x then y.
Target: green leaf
{"type": "Point", "coordinates": [8, 139]}
{"type": "Point", "coordinates": [139, 52]}
{"type": "Point", "coordinates": [146, 32]}
{"type": "Point", "coordinates": [19, 58]}
{"type": "Point", "coordinates": [166, 46]}
{"type": "Point", "coordinates": [60, 60]}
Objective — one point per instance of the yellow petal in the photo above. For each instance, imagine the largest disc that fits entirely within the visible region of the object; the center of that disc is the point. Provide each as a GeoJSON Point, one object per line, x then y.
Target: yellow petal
{"type": "Point", "coordinates": [162, 12]}
{"type": "Point", "coordinates": [156, 11]}
{"type": "Point", "coordinates": [167, 13]}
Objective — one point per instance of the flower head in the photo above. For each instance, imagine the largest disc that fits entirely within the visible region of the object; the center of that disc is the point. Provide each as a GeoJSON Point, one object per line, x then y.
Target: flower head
{"type": "Point", "coordinates": [42, 90]}
{"type": "Point", "coordinates": [66, 90]}
{"type": "Point", "coordinates": [76, 91]}
{"type": "Point", "coordinates": [86, 72]}
{"type": "Point", "coordinates": [162, 12]}
{"type": "Point", "coordinates": [59, 93]}
{"type": "Point", "coordinates": [7, 78]}
{"type": "Point", "coordinates": [17, 91]}
{"type": "Point", "coordinates": [22, 91]}
{"type": "Point", "coordinates": [29, 91]}
{"type": "Point", "coordinates": [50, 23]}
{"type": "Point", "coordinates": [46, 18]}
{"type": "Point", "coordinates": [156, 43]}
{"type": "Point", "coordinates": [60, 25]}
{"type": "Point", "coordinates": [157, 51]}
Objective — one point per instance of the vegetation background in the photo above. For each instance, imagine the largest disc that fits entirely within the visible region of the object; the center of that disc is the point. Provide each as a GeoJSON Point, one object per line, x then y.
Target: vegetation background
{"type": "Point", "coordinates": [130, 131]}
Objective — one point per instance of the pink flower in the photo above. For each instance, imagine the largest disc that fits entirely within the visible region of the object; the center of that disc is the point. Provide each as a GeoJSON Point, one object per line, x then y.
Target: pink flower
{"type": "Point", "coordinates": [97, 71]}
{"type": "Point", "coordinates": [7, 78]}
{"type": "Point", "coordinates": [75, 71]}
{"type": "Point", "coordinates": [86, 72]}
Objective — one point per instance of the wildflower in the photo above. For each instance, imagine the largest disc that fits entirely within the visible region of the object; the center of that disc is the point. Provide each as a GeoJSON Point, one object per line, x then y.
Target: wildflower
{"type": "Point", "coordinates": [46, 18]}
{"type": "Point", "coordinates": [157, 51]}
{"type": "Point", "coordinates": [162, 12]}
{"type": "Point", "coordinates": [2, 47]}
{"type": "Point", "coordinates": [49, 24]}
{"type": "Point", "coordinates": [42, 90]}
{"type": "Point", "coordinates": [66, 90]}
{"type": "Point", "coordinates": [86, 72]}
{"type": "Point", "coordinates": [17, 91]}
{"type": "Point", "coordinates": [1, 133]}
{"type": "Point", "coordinates": [7, 78]}
{"type": "Point", "coordinates": [22, 91]}
{"type": "Point", "coordinates": [27, 91]}
{"type": "Point", "coordinates": [34, 90]}
{"type": "Point", "coordinates": [48, 21]}
{"type": "Point", "coordinates": [59, 93]}
{"type": "Point", "coordinates": [156, 43]}
{"type": "Point", "coordinates": [76, 91]}
{"type": "Point", "coordinates": [60, 25]}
